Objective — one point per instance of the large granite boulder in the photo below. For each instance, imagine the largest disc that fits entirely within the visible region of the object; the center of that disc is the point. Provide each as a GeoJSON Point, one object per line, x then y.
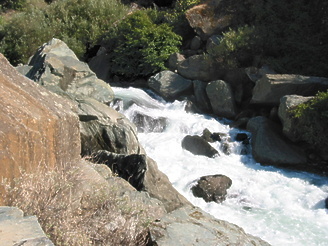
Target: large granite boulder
{"type": "Point", "coordinates": [192, 226]}
{"type": "Point", "coordinates": [15, 229]}
{"type": "Point", "coordinates": [199, 67]}
{"type": "Point", "coordinates": [221, 98]}
{"type": "Point", "coordinates": [212, 188]}
{"type": "Point", "coordinates": [54, 64]}
{"type": "Point", "coordinates": [271, 87]}
{"type": "Point", "coordinates": [198, 146]}
{"type": "Point", "coordinates": [37, 127]}
{"type": "Point", "coordinates": [170, 85]}
{"type": "Point", "coordinates": [290, 124]}
{"type": "Point", "coordinates": [103, 128]}
{"type": "Point", "coordinates": [142, 172]}
{"type": "Point", "coordinates": [270, 147]}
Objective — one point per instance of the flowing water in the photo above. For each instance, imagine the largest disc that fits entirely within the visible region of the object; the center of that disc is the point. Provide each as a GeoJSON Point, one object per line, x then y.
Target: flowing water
{"type": "Point", "coordinates": [282, 207]}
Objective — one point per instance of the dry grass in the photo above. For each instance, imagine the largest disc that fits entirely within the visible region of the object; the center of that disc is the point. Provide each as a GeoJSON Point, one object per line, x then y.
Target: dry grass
{"type": "Point", "coordinates": [99, 219]}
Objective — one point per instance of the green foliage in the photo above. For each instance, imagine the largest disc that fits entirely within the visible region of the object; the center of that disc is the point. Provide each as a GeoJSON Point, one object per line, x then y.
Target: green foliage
{"type": "Point", "coordinates": [79, 23]}
{"type": "Point", "coordinates": [139, 47]}
{"type": "Point", "coordinates": [235, 47]}
{"type": "Point", "coordinates": [12, 4]}
{"type": "Point", "coordinates": [313, 119]}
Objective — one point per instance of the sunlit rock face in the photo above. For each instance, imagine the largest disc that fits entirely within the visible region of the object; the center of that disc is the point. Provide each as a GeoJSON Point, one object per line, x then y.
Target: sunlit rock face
{"type": "Point", "coordinates": [37, 127]}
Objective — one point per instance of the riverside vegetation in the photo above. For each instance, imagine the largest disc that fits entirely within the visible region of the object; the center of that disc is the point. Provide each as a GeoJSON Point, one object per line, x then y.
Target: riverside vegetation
{"type": "Point", "coordinates": [290, 37]}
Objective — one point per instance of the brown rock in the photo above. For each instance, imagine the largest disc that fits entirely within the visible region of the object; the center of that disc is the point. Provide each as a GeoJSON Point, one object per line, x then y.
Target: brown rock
{"type": "Point", "coordinates": [37, 127]}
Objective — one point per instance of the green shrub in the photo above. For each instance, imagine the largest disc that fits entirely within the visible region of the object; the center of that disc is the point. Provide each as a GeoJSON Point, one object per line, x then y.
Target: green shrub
{"type": "Point", "coordinates": [236, 47]}
{"type": "Point", "coordinates": [139, 47]}
{"type": "Point", "coordinates": [79, 23]}
{"type": "Point", "coordinates": [313, 121]}
{"type": "Point", "coordinates": [12, 4]}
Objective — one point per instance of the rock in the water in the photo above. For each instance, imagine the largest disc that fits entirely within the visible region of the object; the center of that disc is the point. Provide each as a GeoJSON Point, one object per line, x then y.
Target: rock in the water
{"type": "Point", "coordinates": [198, 146]}
{"type": "Point", "coordinates": [212, 137]}
{"type": "Point", "coordinates": [54, 64]}
{"type": "Point", "coordinates": [269, 147]}
{"type": "Point", "coordinates": [15, 229]}
{"type": "Point", "coordinates": [192, 226]}
{"type": "Point", "coordinates": [326, 202]}
{"type": "Point", "coordinates": [290, 124]}
{"type": "Point", "coordinates": [212, 188]}
{"type": "Point", "coordinates": [169, 85]}
{"type": "Point", "coordinates": [271, 87]}
{"type": "Point", "coordinates": [145, 123]}
{"type": "Point", "coordinates": [37, 127]}
{"type": "Point", "coordinates": [241, 137]}
{"type": "Point", "coordinates": [221, 98]}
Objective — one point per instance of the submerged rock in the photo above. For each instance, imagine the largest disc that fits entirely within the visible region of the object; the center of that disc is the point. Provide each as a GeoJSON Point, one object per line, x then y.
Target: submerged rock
{"type": "Point", "coordinates": [212, 188]}
{"type": "Point", "coordinates": [146, 123]}
{"type": "Point", "coordinates": [198, 146]}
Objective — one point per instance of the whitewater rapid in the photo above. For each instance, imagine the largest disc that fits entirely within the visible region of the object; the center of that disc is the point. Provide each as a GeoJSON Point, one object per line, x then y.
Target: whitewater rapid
{"type": "Point", "coordinates": [280, 206]}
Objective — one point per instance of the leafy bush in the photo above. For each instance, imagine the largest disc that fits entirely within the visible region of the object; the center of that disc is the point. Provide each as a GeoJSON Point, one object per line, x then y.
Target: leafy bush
{"type": "Point", "coordinates": [138, 46]}
{"type": "Point", "coordinates": [12, 4]}
{"type": "Point", "coordinates": [313, 121]}
{"type": "Point", "coordinates": [236, 47]}
{"type": "Point", "coordinates": [79, 23]}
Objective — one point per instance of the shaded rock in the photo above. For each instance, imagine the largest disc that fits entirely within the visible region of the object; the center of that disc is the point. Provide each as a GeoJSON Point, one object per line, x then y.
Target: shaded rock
{"type": "Point", "coordinates": [143, 174]}
{"type": "Point", "coordinates": [212, 188]}
{"type": "Point", "coordinates": [254, 73]}
{"type": "Point", "coordinates": [103, 128]}
{"type": "Point", "coordinates": [201, 97]}
{"type": "Point", "coordinates": [145, 123]}
{"type": "Point", "coordinates": [225, 148]}
{"type": "Point", "coordinates": [54, 64]}
{"type": "Point", "coordinates": [174, 60]}
{"type": "Point", "coordinates": [271, 87]}
{"type": "Point", "coordinates": [290, 124]}
{"type": "Point", "coordinates": [129, 167]}
{"type": "Point", "coordinates": [198, 146]}
{"type": "Point", "coordinates": [240, 123]}
{"type": "Point", "coordinates": [169, 85]}
{"type": "Point", "coordinates": [37, 127]}
{"type": "Point", "coordinates": [212, 137]}
{"type": "Point", "coordinates": [199, 67]}
{"type": "Point", "coordinates": [241, 137]}
{"type": "Point", "coordinates": [15, 229]}
{"type": "Point", "coordinates": [269, 147]}
{"type": "Point", "coordinates": [212, 42]}
{"type": "Point", "coordinates": [326, 202]}
{"type": "Point", "coordinates": [100, 65]}
{"type": "Point", "coordinates": [196, 42]}
{"type": "Point", "coordinates": [192, 226]}
{"type": "Point", "coordinates": [221, 98]}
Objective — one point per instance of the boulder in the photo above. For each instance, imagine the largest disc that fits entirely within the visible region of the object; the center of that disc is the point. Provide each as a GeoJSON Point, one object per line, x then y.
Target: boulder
{"type": "Point", "coordinates": [271, 87]}
{"type": "Point", "coordinates": [270, 147]}
{"type": "Point", "coordinates": [192, 226]}
{"type": "Point", "coordinates": [290, 124]}
{"type": "Point", "coordinates": [142, 172]}
{"type": "Point", "coordinates": [212, 137]}
{"type": "Point", "coordinates": [103, 128]}
{"type": "Point", "coordinates": [212, 42]}
{"type": "Point", "coordinates": [196, 43]}
{"type": "Point", "coordinates": [198, 146]}
{"type": "Point", "coordinates": [174, 60]}
{"type": "Point", "coordinates": [201, 98]}
{"type": "Point", "coordinates": [221, 98]}
{"type": "Point", "coordinates": [15, 229]}
{"type": "Point", "coordinates": [169, 85]}
{"type": "Point", "coordinates": [199, 67]}
{"type": "Point", "coordinates": [146, 123]}
{"type": "Point", "coordinates": [37, 127]}
{"type": "Point", "coordinates": [212, 188]}
{"type": "Point", "coordinates": [100, 65]}
{"type": "Point", "coordinates": [326, 203]}
{"type": "Point", "coordinates": [54, 64]}
{"type": "Point", "coordinates": [207, 20]}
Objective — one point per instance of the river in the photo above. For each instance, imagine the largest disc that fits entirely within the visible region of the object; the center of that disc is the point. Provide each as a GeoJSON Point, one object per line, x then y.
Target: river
{"type": "Point", "coordinates": [282, 207]}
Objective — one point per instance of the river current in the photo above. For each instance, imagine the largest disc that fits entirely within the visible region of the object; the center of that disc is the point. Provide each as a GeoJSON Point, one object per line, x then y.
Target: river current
{"type": "Point", "coordinates": [282, 207]}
